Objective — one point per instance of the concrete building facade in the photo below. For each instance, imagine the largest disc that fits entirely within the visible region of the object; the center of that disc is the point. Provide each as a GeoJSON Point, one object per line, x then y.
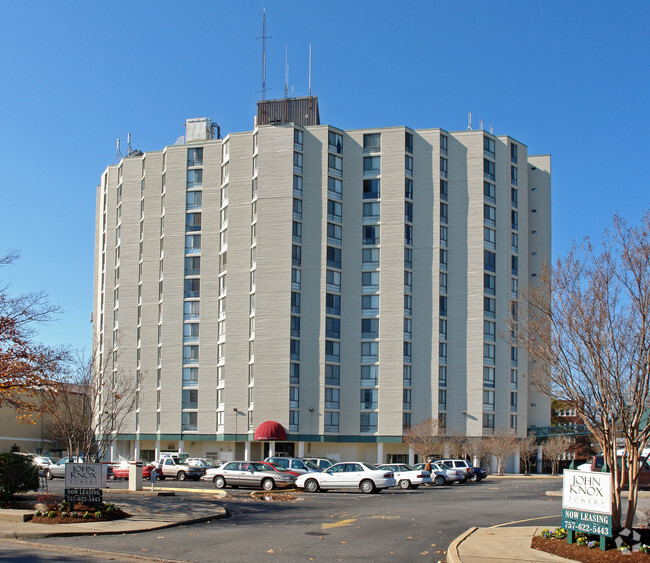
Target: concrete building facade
{"type": "Point", "coordinates": [345, 284]}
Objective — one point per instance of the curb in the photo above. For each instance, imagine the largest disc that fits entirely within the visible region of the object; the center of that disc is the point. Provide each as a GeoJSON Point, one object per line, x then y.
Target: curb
{"type": "Point", "coordinates": [452, 551]}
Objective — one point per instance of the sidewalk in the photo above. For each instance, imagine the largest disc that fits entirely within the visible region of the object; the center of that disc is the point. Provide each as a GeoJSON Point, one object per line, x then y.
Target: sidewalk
{"type": "Point", "coordinates": [148, 512]}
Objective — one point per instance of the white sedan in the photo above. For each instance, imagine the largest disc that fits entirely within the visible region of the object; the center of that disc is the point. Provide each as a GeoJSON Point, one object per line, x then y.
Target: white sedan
{"type": "Point", "coordinates": [408, 477]}
{"type": "Point", "coordinates": [348, 475]}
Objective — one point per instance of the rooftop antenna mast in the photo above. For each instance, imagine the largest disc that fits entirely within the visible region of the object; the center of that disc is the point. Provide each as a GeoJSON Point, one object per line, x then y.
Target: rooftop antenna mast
{"type": "Point", "coordinates": [286, 72]}
{"type": "Point", "coordinates": [310, 70]}
{"type": "Point", "coordinates": [264, 38]}
{"type": "Point", "coordinates": [118, 155]}
{"type": "Point", "coordinates": [469, 120]}
{"type": "Point", "coordinates": [128, 144]}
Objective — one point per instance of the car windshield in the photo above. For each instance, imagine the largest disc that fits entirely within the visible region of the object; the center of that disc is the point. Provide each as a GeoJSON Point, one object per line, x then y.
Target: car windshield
{"type": "Point", "coordinates": [408, 468]}
{"type": "Point", "coordinates": [371, 466]}
{"type": "Point", "coordinates": [259, 466]}
{"type": "Point", "coordinates": [275, 467]}
{"type": "Point", "coordinates": [311, 465]}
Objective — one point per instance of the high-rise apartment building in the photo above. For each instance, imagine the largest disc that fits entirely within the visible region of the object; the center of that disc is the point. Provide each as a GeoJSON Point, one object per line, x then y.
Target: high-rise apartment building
{"type": "Point", "coordinates": [344, 284]}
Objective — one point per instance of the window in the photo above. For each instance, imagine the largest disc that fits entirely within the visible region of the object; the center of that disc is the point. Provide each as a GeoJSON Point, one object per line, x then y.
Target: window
{"type": "Point", "coordinates": [335, 142]}
{"type": "Point", "coordinates": [408, 257]}
{"type": "Point", "coordinates": [444, 235]}
{"type": "Point", "coordinates": [513, 422]}
{"type": "Point", "coordinates": [442, 352]}
{"type": "Point", "coordinates": [368, 422]}
{"type": "Point", "coordinates": [444, 143]}
{"type": "Point", "coordinates": [406, 399]}
{"type": "Point", "coordinates": [297, 208]}
{"type": "Point", "coordinates": [489, 284]}
{"type": "Point", "coordinates": [514, 219]}
{"type": "Point", "coordinates": [369, 376]}
{"type": "Point", "coordinates": [295, 326]}
{"type": "Point", "coordinates": [443, 258]}
{"type": "Point", "coordinates": [296, 254]}
{"type": "Point", "coordinates": [190, 399]}
{"type": "Point", "coordinates": [333, 327]}
{"type": "Point", "coordinates": [370, 304]}
{"type": "Point", "coordinates": [332, 351]}
{"type": "Point", "coordinates": [408, 142]}
{"type": "Point", "coordinates": [488, 353]}
{"type": "Point", "coordinates": [369, 398]}
{"type": "Point", "coordinates": [443, 190]}
{"type": "Point", "coordinates": [408, 188]}
{"type": "Point", "coordinates": [513, 402]}
{"type": "Point", "coordinates": [297, 185]}
{"type": "Point", "coordinates": [192, 288]}
{"type": "Point", "coordinates": [489, 237]}
{"type": "Point", "coordinates": [408, 211]}
{"type": "Point", "coordinates": [408, 281]}
{"type": "Point", "coordinates": [442, 398]}
{"type": "Point", "coordinates": [369, 328]}
{"type": "Point", "coordinates": [488, 400]}
{"type": "Point", "coordinates": [408, 305]}
{"type": "Point", "coordinates": [333, 257]}
{"type": "Point", "coordinates": [369, 351]}
{"type": "Point", "coordinates": [332, 304]}
{"type": "Point", "coordinates": [442, 301]}
{"type": "Point", "coordinates": [294, 397]}
{"type": "Point", "coordinates": [442, 328]}
{"type": "Point", "coordinates": [192, 244]}
{"type": "Point", "coordinates": [488, 421]}
{"type": "Point", "coordinates": [190, 354]}
{"type": "Point", "coordinates": [194, 199]}
{"type": "Point", "coordinates": [408, 235]}
{"type": "Point", "coordinates": [189, 421]}
{"type": "Point", "coordinates": [371, 164]}
{"type": "Point", "coordinates": [335, 164]}
{"type": "Point", "coordinates": [489, 306]}
{"type": "Point", "coordinates": [332, 375]}
{"type": "Point", "coordinates": [488, 376]}
{"type": "Point", "coordinates": [408, 165]}
{"type": "Point", "coordinates": [443, 167]}
{"type": "Point", "coordinates": [297, 138]}
{"type": "Point", "coordinates": [514, 265]}
{"type": "Point", "coordinates": [295, 278]}
{"type": "Point", "coordinates": [513, 153]}
{"type": "Point", "coordinates": [190, 377]}
{"type": "Point", "coordinates": [331, 421]}
{"type": "Point", "coordinates": [297, 161]}
{"type": "Point", "coordinates": [334, 187]}
{"type": "Point", "coordinates": [406, 375]}
{"type": "Point", "coordinates": [514, 241]}
{"type": "Point", "coordinates": [489, 259]}
{"type": "Point", "coordinates": [195, 157]}
{"type": "Point", "coordinates": [442, 376]}
{"type": "Point", "coordinates": [371, 189]}
{"type": "Point", "coordinates": [295, 302]}
{"type": "Point", "coordinates": [513, 379]}
{"type": "Point", "coordinates": [193, 222]}
{"type": "Point", "coordinates": [444, 213]}
{"type": "Point", "coordinates": [294, 373]}
{"type": "Point", "coordinates": [513, 355]}
{"type": "Point", "coordinates": [332, 398]}
{"type": "Point", "coordinates": [294, 419]}
{"type": "Point", "coordinates": [489, 214]}
{"type": "Point", "coordinates": [489, 330]}
{"type": "Point", "coordinates": [370, 212]}
{"type": "Point", "coordinates": [193, 266]}
{"type": "Point", "coordinates": [372, 142]}
{"type": "Point", "coordinates": [370, 257]}
{"type": "Point", "coordinates": [514, 197]}
{"type": "Point", "coordinates": [297, 231]}
{"type": "Point", "coordinates": [334, 210]}
{"type": "Point", "coordinates": [489, 191]}
{"type": "Point", "coordinates": [334, 280]}
{"type": "Point", "coordinates": [489, 169]}
{"type": "Point", "coordinates": [488, 145]}
{"type": "Point", "coordinates": [194, 178]}
{"type": "Point", "coordinates": [513, 175]}
{"type": "Point", "coordinates": [370, 280]}
{"type": "Point", "coordinates": [370, 235]}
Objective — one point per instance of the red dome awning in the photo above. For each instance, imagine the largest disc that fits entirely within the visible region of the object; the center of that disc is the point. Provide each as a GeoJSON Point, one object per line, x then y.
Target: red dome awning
{"type": "Point", "coordinates": [271, 431]}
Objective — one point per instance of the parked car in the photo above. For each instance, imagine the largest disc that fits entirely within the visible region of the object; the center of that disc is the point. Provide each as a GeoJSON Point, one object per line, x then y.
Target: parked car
{"type": "Point", "coordinates": [121, 470]}
{"type": "Point", "coordinates": [293, 463]}
{"type": "Point", "coordinates": [44, 462]}
{"type": "Point", "coordinates": [56, 469]}
{"type": "Point", "coordinates": [443, 474]}
{"type": "Point", "coordinates": [348, 475]}
{"type": "Point", "coordinates": [176, 468]}
{"type": "Point", "coordinates": [478, 474]}
{"type": "Point", "coordinates": [278, 468]}
{"type": "Point", "coordinates": [461, 464]}
{"type": "Point", "coordinates": [321, 462]}
{"type": "Point", "coordinates": [202, 462]}
{"type": "Point", "coordinates": [249, 474]}
{"type": "Point", "coordinates": [644, 469]}
{"type": "Point", "coordinates": [407, 477]}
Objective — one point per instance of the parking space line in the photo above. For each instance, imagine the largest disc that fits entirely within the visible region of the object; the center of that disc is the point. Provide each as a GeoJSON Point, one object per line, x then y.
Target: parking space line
{"type": "Point", "coordinates": [526, 520]}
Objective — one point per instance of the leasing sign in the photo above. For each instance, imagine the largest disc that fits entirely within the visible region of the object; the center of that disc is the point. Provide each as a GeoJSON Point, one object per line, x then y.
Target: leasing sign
{"type": "Point", "coordinates": [590, 491]}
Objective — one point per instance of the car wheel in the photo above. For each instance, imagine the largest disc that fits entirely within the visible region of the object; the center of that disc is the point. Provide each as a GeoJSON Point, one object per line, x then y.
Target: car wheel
{"type": "Point", "coordinates": [48, 475]}
{"type": "Point", "coordinates": [404, 484]}
{"type": "Point", "coordinates": [367, 486]}
{"type": "Point", "coordinates": [181, 476]}
{"type": "Point", "coordinates": [268, 484]}
{"type": "Point", "coordinates": [440, 480]}
{"type": "Point", "coordinates": [474, 478]}
{"type": "Point", "coordinates": [312, 485]}
{"type": "Point", "coordinates": [219, 482]}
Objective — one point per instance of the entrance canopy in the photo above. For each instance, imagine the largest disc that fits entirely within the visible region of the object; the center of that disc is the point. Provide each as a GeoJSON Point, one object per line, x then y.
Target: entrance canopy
{"type": "Point", "coordinates": [271, 431]}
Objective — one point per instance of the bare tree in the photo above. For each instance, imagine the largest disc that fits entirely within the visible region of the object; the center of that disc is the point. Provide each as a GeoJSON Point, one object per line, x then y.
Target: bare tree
{"type": "Point", "coordinates": [424, 438]}
{"type": "Point", "coordinates": [554, 448]}
{"type": "Point", "coordinates": [527, 448]}
{"type": "Point", "coordinates": [586, 328]}
{"type": "Point", "coordinates": [88, 407]}
{"type": "Point", "coordinates": [478, 449]}
{"type": "Point", "coordinates": [502, 444]}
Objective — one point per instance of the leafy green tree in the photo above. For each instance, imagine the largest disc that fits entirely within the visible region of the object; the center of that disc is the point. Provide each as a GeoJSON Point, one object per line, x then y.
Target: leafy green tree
{"type": "Point", "coordinates": [17, 475]}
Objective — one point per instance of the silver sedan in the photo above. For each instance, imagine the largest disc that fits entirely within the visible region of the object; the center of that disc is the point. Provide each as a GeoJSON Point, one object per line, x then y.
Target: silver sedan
{"type": "Point", "coordinates": [249, 474]}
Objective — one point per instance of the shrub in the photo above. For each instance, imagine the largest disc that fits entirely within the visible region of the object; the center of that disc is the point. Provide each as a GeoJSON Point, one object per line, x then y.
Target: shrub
{"type": "Point", "coordinates": [17, 475]}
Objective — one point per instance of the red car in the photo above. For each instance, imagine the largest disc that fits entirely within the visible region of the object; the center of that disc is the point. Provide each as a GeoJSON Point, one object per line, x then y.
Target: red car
{"type": "Point", "coordinates": [122, 471]}
{"type": "Point", "coordinates": [274, 467]}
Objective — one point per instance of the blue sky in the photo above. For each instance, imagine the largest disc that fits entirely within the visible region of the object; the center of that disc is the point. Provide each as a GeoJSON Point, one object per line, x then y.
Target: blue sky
{"type": "Point", "coordinates": [566, 78]}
